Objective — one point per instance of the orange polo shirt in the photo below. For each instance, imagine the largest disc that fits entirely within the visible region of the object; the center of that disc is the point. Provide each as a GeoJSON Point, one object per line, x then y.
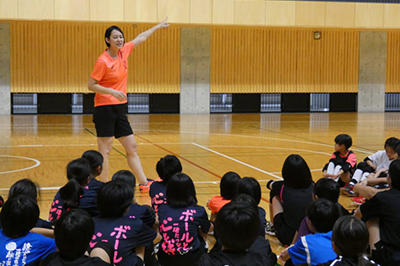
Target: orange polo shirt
{"type": "Point", "coordinates": [112, 73]}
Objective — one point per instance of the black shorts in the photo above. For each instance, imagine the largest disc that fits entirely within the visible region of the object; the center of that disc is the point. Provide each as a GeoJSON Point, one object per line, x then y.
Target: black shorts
{"type": "Point", "coordinates": [111, 121]}
{"type": "Point", "coordinates": [385, 254]}
{"type": "Point", "coordinates": [283, 231]}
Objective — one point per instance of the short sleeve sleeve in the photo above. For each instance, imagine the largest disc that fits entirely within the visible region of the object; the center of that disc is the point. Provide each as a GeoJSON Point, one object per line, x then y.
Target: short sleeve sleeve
{"type": "Point", "coordinates": [371, 208]}
{"type": "Point", "coordinates": [99, 70]}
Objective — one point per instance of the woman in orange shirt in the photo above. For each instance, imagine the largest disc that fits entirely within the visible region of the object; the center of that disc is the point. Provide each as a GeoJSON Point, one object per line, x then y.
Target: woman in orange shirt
{"type": "Point", "coordinates": [108, 80]}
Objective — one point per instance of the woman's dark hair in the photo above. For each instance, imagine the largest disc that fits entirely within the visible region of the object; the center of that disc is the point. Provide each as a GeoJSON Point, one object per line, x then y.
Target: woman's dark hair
{"type": "Point", "coordinates": [24, 187]}
{"type": "Point", "coordinates": [327, 188]}
{"type": "Point", "coordinates": [125, 176]}
{"type": "Point", "coordinates": [295, 172]}
{"type": "Point", "coordinates": [72, 233]}
{"type": "Point", "coordinates": [95, 159]}
{"type": "Point", "coordinates": [113, 199]}
{"type": "Point", "coordinates": [344, 139]}
{"type": "Point", "coordinates": [19, 215]}
{"type": "Point", "coordinates": [181, 192]}
{"type": "Point", "coordinates": [107, 34]}
{"type": "Point", "coordinates": [394, 173]}
{"type": "Point", "coordinates": [168, 166]}
{"type": "Point", "coordinates": [351, 236]}
{"type": "Point", "coordinates": [228, 185]}
{"type": "Point", "coordinates": [323, 214]}
{"type": "Point", "coordinates": [251, 187]}
{"type": "Point", "coordinates": [78, 174]}
{"type": "Point", "coordinates": [237, 224]}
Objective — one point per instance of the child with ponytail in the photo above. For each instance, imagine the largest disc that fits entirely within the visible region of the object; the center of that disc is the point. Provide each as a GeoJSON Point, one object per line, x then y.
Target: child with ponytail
{"type": "Point", "coordinates": [67, 197]}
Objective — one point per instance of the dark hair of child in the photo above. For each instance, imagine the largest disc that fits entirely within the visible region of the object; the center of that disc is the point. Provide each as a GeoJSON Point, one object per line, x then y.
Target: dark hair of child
{"type": "Point", "coordinates": [228, 185]}
{"type": "Point", "coordinates": [113, 199]}
{"type": "Point", "coordinates": [237, 224]}
{"type": "Point", "coordinates": [350, 236]}
{"type": "Point", "coordinates": [19, 215]}
{"type": "Point", "coordinates": [344, 139]}
{"type": "Point", "coordinates": [125, 176]}
{"type": "Point", "coordinates": [181, 192]}
{"type": "Point", "coordinates": [72, 233]}
{"type": "Point", "coordinates": [107, 34]}
{"type": "Point", "coordinates": [327, 188]}
{"type": "Point", "coordinates": [295, 172]}
{"type": "Point", "coordinates": [394, 174]}
{"type": "Point", "coordinates": [168, 166]}
{"type": "Point", "coordinates": [251, 187]}
{"type": "Point", "coordinates": [24, 187]}
{"type": "Point", "coordinates": [96, 160]}
{"type": "Point", "coordinates": [392, 143]}
{"type": "Point", "coordinates": [78, 174]}
{"type": "Point", "coordinates": [323, 214]}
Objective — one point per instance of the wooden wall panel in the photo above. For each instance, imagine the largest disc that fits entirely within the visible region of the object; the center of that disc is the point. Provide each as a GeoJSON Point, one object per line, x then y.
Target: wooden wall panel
{"type": "Point", "coordinates": [283, 60]}
{"type": "Point", "coordinates": [65, 63]}
{"type": "Point", "coordinates": [369, 15]}
{"type": "Point", "coordinates": [141, 10]}
{"type": "Point", "coordinates": [178, 11]}
{"type": "Point", "coordinates": [250, 12]}
{"type": "Point", "coordinates": [201, 11]}
{"type": "Point", "coordinates": [391, 16]}
{"type": "Point", "coordinates": [71, 9]}
{"type": "Point", "coordinates": [393, 62]}
{"type": "Point", "coordinates": [35, 9]}
{"type": "Point", "coordinates": [8, 9]}
{"type": "Point", "coordinates": [106, 10]}
{"type": "Point", "coordinates": [223, 12]}
{"type": "Point", "coordinates": [340, 14]}
{"type": "Point", "coordinates": [282, 13]}
{"type": "Point", "coordinates": [310, 13]}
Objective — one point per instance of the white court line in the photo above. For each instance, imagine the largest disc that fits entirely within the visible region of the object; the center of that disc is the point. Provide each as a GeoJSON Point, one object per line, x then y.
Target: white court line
{"type": "Point", "coordinates": [37, 163]}
{"type": "Point", "coordinates": [235, 160]}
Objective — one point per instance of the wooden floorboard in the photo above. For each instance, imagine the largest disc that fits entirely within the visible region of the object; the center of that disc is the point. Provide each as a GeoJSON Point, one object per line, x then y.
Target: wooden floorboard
{"type": "Point", "coordinates": [40, 146]}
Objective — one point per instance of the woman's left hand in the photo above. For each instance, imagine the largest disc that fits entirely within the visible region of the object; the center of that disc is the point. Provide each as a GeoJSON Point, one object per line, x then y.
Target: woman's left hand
{"type": "Point", "coordinates": [163, 24]}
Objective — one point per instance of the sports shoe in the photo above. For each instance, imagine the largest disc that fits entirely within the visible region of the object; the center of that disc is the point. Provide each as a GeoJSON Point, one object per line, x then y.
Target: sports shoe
{"type": "Point", "coordinates": [146, 188]}
{"type": "Point", "coordinates": [358, 200]}
{"type": "Point", "coordinates": [381, 186]}
{"type": "Point", "coordinates": [270, 229]}
{"type": "Point", "coordinates": [348, 190]}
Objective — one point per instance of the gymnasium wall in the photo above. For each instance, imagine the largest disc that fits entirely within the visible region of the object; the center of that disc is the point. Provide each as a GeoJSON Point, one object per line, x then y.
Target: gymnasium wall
{"type": "Point", "coordinates": [349, 14]}
{"type": "Point", "coordinates": [255, 46]}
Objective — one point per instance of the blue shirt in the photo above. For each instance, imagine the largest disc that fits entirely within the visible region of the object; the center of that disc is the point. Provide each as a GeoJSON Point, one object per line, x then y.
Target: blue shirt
{"type": "Point", "coordinates": [28, 249]}
{"type": "Point", "coordinates": [313, 249]}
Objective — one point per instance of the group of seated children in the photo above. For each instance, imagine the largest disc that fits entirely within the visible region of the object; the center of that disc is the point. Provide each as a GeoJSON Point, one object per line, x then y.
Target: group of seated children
{"type": "Point", "coordinates": [98, 223]}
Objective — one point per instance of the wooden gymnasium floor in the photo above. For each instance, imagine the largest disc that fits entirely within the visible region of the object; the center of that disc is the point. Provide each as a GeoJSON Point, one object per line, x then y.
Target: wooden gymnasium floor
{"type": "Point", "coordinates": [40, 146]}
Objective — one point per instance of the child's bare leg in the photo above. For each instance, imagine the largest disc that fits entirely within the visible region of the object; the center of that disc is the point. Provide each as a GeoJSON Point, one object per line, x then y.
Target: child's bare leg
{"type": "Point", "coordinates": [374, 233]}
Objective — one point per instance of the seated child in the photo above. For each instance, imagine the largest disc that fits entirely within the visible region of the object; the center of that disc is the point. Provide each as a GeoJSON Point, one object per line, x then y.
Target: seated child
{"type": "Point", "coordinates": [28, 188]}
{"type": "Point", "coordinates": [183, 224]}
{"type": "Point", "coordinates": [251, 187]}
{"type": "Point", "coordinates": [144, 213]}
{"type": "Point", "coordinates": [342, 162]}
{"type": "Point", "coordinates": [68, 197]}
{"type": "Point", "coordinates": [73, 232]}
{"type": "Point", "coordinates": [18, 246]}
{"type": "Point", "coordinates": [374, 166]}
{"type": "Point", "coordinates": [289, 198]}
{"type": "Point", "coordinates": [128, 235]}
{"type": "Point", "coordinates": [325, 188]}
{"type": "Point", "coordinates": [382, 215]}
{"type": "Point", "coordinates": [350, 240]}
{"type": "Point", "coordinates": [227, 188]}
{"type": "Point", "coordinates": [314, 248]}
{"type": "Point", "coordinates": [237, 225]}
{"type": "Point", "coordinates": [166, 167]}
{"type": "Point", "coordinates": [88, 200]}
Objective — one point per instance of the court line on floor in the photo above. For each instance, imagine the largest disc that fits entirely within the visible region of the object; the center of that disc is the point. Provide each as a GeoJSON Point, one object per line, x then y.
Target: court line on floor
{"type": "Point", "coordinates": [37, 163]}
{"type": "Point", "coordinates": [235, 160]}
